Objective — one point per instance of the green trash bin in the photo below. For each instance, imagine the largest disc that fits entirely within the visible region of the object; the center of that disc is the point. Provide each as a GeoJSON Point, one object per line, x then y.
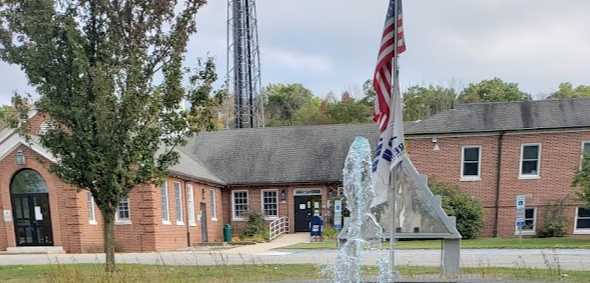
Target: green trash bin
{"type": "Point", "coordinates": [227, 233]}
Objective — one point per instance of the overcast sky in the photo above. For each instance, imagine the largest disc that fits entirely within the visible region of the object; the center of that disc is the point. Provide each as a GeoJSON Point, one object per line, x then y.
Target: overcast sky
{"type": "Point", "coordinates": [331, 45]}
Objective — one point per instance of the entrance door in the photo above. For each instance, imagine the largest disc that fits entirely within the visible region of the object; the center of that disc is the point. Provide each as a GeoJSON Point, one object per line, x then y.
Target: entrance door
{"type": "Point", "coordinates": [30, 209]}
{"type": "Point", "coordinates": [304, 208]}
{"type": "Point", "coordinates": [204, 235]}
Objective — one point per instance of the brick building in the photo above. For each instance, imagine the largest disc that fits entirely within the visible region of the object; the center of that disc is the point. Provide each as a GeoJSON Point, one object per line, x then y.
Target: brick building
{"type": "Point", "coordinates": [494, 151]}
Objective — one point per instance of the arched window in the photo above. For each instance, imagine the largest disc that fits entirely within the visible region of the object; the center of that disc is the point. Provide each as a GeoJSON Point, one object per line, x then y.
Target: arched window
{"type": "Point", "coordinates": [27, 181]}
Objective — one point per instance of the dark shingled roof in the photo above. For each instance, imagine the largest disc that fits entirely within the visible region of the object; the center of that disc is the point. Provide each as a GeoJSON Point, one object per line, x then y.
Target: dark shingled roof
{"type": "Point", "coordinates": [485, 117]}
{"type": "Point", "coordinates": [277, 155]}
{"type": "Point", "coordinates": [317, 153]}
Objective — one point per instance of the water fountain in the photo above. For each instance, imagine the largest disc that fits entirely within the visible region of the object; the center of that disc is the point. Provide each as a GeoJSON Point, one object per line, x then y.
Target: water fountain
{"type": "Point", "coordinates": [412, 212]}
{"type": "Point", "coordinates": [362, 230]}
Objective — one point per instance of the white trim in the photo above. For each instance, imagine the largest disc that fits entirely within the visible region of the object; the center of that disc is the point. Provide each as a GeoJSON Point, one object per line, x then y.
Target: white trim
{"type": "Point", "coordinates": [305, 192]}
{"type": "Point", "coordinates": [262, 204]}
{"type": "Point", "coordinates": [233, 204]}
{"type": "Point", "coordinates": [529, 232]}
{"type": "Point", "coordinates": [464, 178]}
{"type": "Point", "coordinates": [164, 187]}
{"type": "Point", "coordinates": [583, 231]}
{"type": "Point", "coordinates": [11, 143]}
{"type": "Point", "coordinates": [190, 205]}
{"type": "Point", "coordinates": [177, 209]}
{"type": "Point", "coordinates": [91, 209]}
{"type": "Point", "coordinates": [123, 221]}
{"type": "Point", "coordinates": [539, 153]}
{"type": "Point", "coordinates": [213, 200]}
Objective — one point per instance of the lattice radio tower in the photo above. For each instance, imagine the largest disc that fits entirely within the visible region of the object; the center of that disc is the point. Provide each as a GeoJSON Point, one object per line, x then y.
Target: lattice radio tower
{"type": "Point", "coordinates": [243, 64]}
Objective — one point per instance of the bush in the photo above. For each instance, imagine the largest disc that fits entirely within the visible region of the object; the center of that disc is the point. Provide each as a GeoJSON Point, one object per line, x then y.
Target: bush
{"type": "Point", "coordinates": [554, 220]}
{"type": "Point", "coordinates": [330, 233]}
{"type": "Point", "coordinates": [467, 210]}
{"type": "Point", "coordinates": [256, 229]}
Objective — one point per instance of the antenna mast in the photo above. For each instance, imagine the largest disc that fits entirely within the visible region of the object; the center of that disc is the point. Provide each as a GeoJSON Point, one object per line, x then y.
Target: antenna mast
{"type": "Point", "coordinates": [243, 64]}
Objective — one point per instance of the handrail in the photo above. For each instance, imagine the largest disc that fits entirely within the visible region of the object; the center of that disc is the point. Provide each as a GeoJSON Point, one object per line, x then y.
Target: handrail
{"type": "Point", "coordinates": [278, 227]}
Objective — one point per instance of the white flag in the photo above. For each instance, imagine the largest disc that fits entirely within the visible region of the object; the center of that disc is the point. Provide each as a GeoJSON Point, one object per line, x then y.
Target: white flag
{"type": "Point", "coordinates": [390, 150]}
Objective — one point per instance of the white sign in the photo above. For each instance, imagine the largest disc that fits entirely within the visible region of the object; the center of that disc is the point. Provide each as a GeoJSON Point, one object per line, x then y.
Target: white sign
{"type": "Point", "coordinates": [520, 201]}
{"type": "Point", "coordinates": [38, 214]}
{"type": "Point", "coordinates": [338, 214]}
{"type": "Point", "coordinates": [7, 216]}
{"type": "Point", "coordinates": [520, 211]}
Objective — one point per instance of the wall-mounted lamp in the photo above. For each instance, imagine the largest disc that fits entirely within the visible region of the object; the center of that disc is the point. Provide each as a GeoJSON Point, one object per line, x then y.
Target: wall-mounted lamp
{"type": "Point", "coordinates": [283, 195]}
{"type": "Point", "coordinates": [436, 147]}
{"type": "Point", "coordinates": [20, 158]}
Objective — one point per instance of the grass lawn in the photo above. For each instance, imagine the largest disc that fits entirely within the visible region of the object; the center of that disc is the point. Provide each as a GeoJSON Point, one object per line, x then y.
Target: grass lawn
{"type": "Point", "coordinates": [483, 243]}
{"type": "Point", "coordinates": [250, 273]}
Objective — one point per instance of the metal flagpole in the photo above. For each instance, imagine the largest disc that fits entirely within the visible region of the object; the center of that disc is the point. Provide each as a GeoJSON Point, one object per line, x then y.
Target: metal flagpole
{"type": "Point", "coordinates": [394, 178]}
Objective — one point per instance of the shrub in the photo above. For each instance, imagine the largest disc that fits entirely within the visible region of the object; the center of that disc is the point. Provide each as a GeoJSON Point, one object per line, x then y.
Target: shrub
{"type": "Point", "coordinates": [467, 210]}
{"type": "Point", "coordinates": [256, 228]}
{"type": "Point", "coordinates": [330, 232]}
{"type": "Point", "coordinates": [554, 220]}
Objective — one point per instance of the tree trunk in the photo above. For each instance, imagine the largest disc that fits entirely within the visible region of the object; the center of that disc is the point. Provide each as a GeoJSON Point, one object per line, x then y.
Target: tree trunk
{"type": "Point", "coordinates": [109, 244]}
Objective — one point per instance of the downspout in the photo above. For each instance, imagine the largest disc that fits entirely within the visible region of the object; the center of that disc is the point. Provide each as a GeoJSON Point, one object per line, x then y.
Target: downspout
{"type": "Point", "coordinates": [498, 181]}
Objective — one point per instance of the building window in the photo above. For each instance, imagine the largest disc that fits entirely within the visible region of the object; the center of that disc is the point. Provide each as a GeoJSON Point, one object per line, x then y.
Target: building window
{"type": "Point", "coordinates": [530, 161]}
{"type": "Point", "coordinates": [123, 215]}
{"type": "Point", "coordinates": [239, 205]}
{"type": "Point", "coordinates": [190, 204]}
{"type": "Point", "coordinates": [20, 158]}
{"type": "Point", "coordinates": [164, 200]}
{"type": "Point", "coordinates": [585, 152]}
{"type": "Point", "coordinates": [530, 215]}
{"type": "Point", "coordinates": [213, 205]}
{"type": "Point", "coordinates": [471, 163]}
{"type": "Point", "coordinates": [91, 208]}
{"type": "Point", "coordinates": [270, 203]}
{"type": "Point", "coordinates": [582, 220]}
{"type": "Point", "coordinates": [178, 202]}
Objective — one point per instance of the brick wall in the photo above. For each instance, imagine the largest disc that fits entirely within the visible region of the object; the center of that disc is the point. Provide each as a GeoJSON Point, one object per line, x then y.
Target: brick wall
{"type": "Point", "coordinates": [286, 206]}
{"type": "Point", "coordinates": [560, 157]}
{"type": "Point", "coordinates": [63, 201]}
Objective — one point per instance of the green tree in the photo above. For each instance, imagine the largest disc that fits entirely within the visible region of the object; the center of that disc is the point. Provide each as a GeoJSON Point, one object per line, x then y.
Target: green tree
{"type": "Point", "coordinates": [567, 90]}
{"type": "Point", "coordinates": [283, 101]}
{"type": "Point", "coordinates": [93, 65]}
{"type": "Point", "coordinates": [421, 102]}
{"type": "Point", "coordinates": [467, 210]}
{"type": "Point", "coordinates": [349, 110]}
{"type": "Point", "coordinates": [494, 90]}
{"type": "Point", "coordinates": [7, 116]}
{"type": "Point", "coordinates": [582, 180]}
{"type": "Point", "coordinates": [311, 113]}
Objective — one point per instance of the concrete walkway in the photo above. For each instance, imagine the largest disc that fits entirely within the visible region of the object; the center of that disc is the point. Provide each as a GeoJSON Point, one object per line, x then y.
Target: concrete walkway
{"type": "Point", "coordinates": [563, 259]}
{"type": "Point", "coordinates": [265, 248]}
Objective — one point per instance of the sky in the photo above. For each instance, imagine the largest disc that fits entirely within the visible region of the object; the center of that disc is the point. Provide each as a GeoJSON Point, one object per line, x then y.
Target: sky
{"type": "Point", "coordinates": [331, 45]}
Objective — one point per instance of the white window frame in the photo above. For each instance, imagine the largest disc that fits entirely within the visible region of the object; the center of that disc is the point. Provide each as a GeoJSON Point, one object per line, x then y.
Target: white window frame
{"type": "Point", "coordinates": [233, 204]}
{"type": "Point", "coordinates": [262, 204]}
{"type": "Point", "coordinates": [470, 178]}
{"type": "Point", "coordinates": [178, 207]}
{"type": "Point", "coordinates": [582, 231]}
{"type": "Point", "coordinates": [213, 200]}
{"type": "Point", "coordinates": [125, 221]}
{"type": "Point", "coordinates": [530, 176]}
{"type": "Point", "coordinates": [532, 231]}
{"type": "Point", "coordinates": [165, 195]}
{"type": "Point", "coordinates": [582, 152]}
{"type": "Point", "coordinates": [91, 208]}
{"type": "Point", "coordinates": [190, 204]}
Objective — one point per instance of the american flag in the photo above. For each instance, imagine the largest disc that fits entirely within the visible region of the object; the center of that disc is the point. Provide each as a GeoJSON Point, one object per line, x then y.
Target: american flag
{"type": "Point", "coordinates": [390, 149]}
{"type": "Point", "coordinates": [382, 77]}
